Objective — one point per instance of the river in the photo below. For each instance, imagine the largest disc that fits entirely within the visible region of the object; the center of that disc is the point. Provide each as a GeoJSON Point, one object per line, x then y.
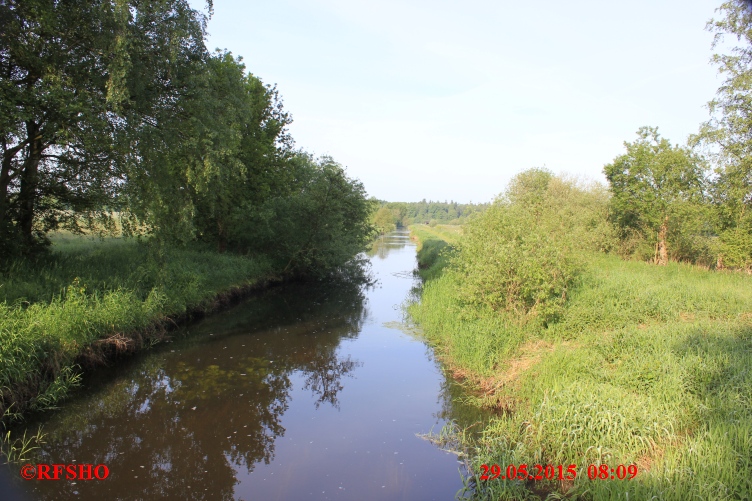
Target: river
{"type": "Point", "coordinates": [307, 391]}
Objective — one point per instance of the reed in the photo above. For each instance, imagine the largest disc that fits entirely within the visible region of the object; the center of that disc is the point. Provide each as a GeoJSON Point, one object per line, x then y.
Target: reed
{"type": "Point", "coordinates": [15, 449]}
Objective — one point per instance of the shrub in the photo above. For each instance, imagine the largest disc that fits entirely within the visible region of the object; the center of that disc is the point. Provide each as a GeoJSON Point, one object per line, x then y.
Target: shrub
{"type": "Point", "coordinates": [522, 255]}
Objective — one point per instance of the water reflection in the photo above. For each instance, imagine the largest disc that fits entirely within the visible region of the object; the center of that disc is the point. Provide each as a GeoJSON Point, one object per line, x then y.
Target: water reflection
{"type": "Point", "coordinates": [382, 245]}
{"type": "Point", "coordinates": [215, 407]}
{"type": "Point", "coordinates": [304, 392]}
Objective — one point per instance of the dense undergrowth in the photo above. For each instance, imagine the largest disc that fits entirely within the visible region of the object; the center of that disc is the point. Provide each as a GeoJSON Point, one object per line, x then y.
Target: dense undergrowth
{"type": "Point", "coordinates": [638, 364]}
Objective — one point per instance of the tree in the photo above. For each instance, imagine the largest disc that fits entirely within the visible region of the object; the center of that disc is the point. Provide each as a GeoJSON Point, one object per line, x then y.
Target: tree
{"type": "Point", "coordinates": [729, 133]}
{"type": "Point", "coordinates": [657, 189]}
{"type": "Point", "coordinates": [222, 152]}
{"type": "Point", "coordinates": [384, 220]}
{"type": "Point", "coordinates": [79, 81]}
{"type": "Point", "coordinates": [54, 93]}
{"type": "Point", "coordinates": [529, 189]}
{"type": "Point", "coordinates": [318, 223]}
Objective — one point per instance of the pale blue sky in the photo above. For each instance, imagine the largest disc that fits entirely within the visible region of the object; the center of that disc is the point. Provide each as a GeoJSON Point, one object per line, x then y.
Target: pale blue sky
{"type": "Point", "coordinates": [448, 100]}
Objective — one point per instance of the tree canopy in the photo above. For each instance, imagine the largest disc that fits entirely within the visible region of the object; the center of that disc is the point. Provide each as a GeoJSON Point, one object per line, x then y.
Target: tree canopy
{"type": "Point", "coordinates": [79, 82]}
{"type": "Point", "coordinates": [658, 190]}
{"type": "Point", "coordinates": [728, 133]}
{"type": "Point", "coordinates": [398, 214]}
{"type": "Point", "coordinates": [115, 108]}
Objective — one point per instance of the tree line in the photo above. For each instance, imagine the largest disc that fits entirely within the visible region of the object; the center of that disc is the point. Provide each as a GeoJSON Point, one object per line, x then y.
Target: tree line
{"type": "Point", "coordinates": [390, 215]}
{"type": "Point", "coordinates": [114, 113]}
{"type": "Point", "coordinates": [693, 203]}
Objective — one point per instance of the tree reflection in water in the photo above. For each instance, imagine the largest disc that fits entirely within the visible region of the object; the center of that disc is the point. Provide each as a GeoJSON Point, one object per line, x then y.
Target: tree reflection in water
{"type": "Point", "coordinates": [177, 422]}
{"type": "Point", "coordinates": [381, 246]}
{"type": "Point", "coordinates": [325, 377]}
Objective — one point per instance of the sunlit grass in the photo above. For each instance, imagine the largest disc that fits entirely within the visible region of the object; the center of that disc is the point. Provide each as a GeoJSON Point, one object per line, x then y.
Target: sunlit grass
{"type": "Point", "coordinates": [449, 233]}
{"type": "Point", "coordinates": [87, 289]}
{"type": "Point", "coordinates": [435, 245]}
{"type": "Point", "coordinates": [647, 365]}
{"type": "Point", "coordinates": [17, 449]}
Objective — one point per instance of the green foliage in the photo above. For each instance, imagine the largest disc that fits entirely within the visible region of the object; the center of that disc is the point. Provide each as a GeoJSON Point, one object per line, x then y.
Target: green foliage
{"type": "Point", "coordinates": [727, 136]}
{"type": "Point", "coordinates": [640, 365]}
{"type": "Point", "coordinates": [319, 223]}
{"type": "Point", "coordinates": [385, 220]}
{"type": "Point", "coordinates": [528, 188]}
{"type": "Point", "coordinates": [506, 267]}
{"type": "Point", "coordinates": [736, 248]}
{"type": "Point", "coordinates": [423, 212]}
{"type": "Point", "coordinates": [81, 81]}
{"type": "Point", "coordinates": [435, 248]}
{"type": "Point", "coordinates": [521, 255]}
{"type": "Point", "coordinates": [225, 150]}
{"type": "Point", "coordinates": [658, 196]}
{"type": "Point", "coordinates": [116, 109]}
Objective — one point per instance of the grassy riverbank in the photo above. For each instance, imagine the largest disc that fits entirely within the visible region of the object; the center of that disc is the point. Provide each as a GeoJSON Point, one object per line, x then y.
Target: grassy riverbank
{"type": "Point", "coordinates": [643, 365]}
{"type": "Point", "coordinates": [434, 246]}
{"type": "Point", "coordinates": [89, 299]}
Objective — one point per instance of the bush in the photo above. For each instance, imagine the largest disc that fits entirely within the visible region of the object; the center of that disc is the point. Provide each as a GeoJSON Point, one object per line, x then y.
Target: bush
{"type": "Point", "coordinates": [735, 249]}
{"type": "Point", "coordinates": [522, 255]}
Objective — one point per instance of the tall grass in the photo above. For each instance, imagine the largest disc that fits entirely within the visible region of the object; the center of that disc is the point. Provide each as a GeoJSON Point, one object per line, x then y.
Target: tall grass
{"type": "Point", "coordinates": [447, 233]}
{"type": "Point", "coordinates": [88, 289]}
{"type": "Point", "coordinates": [643, 365]}
{"type": "Point", "coordinates": [435, 246]}
{"type": "Point", "coordinates": [647, 365]}
{"type": "Point", "coordinates": [17, 449]}
{"type": "Point", "coordinates": [184, 274]}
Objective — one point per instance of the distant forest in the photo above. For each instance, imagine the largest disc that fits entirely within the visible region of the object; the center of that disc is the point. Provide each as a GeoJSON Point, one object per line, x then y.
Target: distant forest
{"type": "Point", "coordinates": [391, 215]}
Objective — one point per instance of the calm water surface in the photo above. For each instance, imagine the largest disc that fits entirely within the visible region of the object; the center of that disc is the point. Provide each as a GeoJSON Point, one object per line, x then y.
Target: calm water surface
{"type": "Point", "coordinates": [306, 392]}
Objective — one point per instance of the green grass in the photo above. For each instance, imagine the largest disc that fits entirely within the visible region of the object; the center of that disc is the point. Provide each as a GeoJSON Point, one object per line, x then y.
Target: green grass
{"type": "Point", "coordinates": [435, 245]}
{"type": "Point", "coordinates": [647, 365]}
{"type": "Point", "coordinates": [52, 310]}
{"type": "Point", "coordinates": [447, 233]}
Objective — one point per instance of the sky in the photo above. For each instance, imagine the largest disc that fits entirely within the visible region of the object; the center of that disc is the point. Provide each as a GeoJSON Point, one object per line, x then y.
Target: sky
{"type": "Point", "coordinates": [448, 100]}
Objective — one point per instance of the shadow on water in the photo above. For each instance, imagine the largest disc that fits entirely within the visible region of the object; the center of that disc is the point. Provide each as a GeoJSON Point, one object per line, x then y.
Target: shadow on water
{"type": "Point", "coordinates": [159, 416]}
{"type": "Point", "coordinates": [204, 416]}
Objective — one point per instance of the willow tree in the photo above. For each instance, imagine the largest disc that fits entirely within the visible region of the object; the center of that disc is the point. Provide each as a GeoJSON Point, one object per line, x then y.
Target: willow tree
{"type": "Point", "coordinates": [221, 152]}
{"type": "Point", "coordinates": [240, 162]}
{"type": "Point", "coordinates": [657, 189]}
{"type": "Point", "coordinates": [79, 80]}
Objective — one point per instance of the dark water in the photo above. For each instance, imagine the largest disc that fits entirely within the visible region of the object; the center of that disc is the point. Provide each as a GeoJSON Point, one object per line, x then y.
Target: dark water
{"type": "Point", "coordinates": [306, 392]}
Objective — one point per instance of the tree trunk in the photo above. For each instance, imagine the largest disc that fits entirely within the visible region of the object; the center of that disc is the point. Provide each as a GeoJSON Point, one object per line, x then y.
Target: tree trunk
{"type": "Point", "coordinates": [4, 183]}
{"type": "Point", "coordinates": [662, 254]}
{"type": "Point", "coordinates": [221, 237]}
{"type": "Point", "coordinates": [29, 183]}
